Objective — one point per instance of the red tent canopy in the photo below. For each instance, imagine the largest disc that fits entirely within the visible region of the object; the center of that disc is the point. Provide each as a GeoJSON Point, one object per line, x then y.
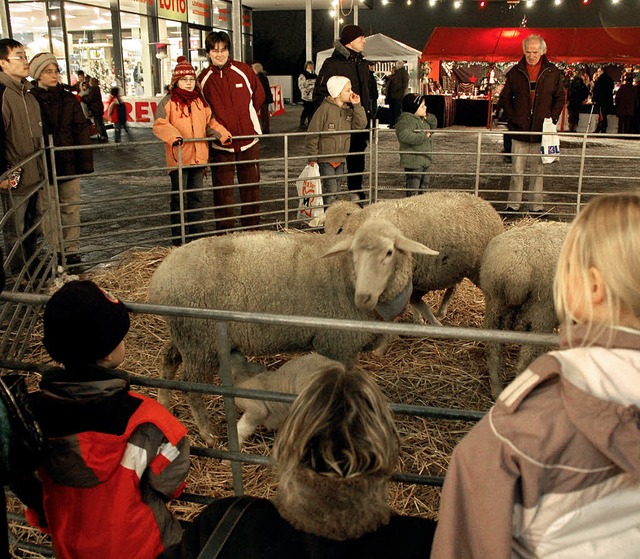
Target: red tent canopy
{"type": "Point", "coordinates": [504, 44]}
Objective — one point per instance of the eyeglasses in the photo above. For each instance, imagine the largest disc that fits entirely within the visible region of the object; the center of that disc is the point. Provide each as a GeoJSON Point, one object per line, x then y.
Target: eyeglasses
{"type": "Point", "coordinates": [219, 51]}
{"type": "Point", "coordinates": [187, 80]}
{"type": "Point", "coordinates": [51, 72]}
{"type": "Point", "coordinates": [21, 57]}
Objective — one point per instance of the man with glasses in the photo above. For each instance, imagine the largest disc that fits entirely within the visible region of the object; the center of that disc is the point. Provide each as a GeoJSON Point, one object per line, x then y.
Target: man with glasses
{"type": "Point", "coordinates": [62, 117]}
{"type": "Point", "coordinates": [236, 96]}
{"type": "Point", "coordinates": [20, 137]}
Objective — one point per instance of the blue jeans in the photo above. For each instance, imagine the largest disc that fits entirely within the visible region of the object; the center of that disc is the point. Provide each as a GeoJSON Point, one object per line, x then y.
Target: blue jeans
{"type": "Point", "coordinates": [192, 205]}
{"type": "Point", "coordinates": [417, 181]}
{"type": "Point", "coordinates": [330, 182]}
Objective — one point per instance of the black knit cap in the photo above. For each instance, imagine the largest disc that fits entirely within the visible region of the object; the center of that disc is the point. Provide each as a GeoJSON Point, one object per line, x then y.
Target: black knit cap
{"type": "Point", "coordinates": [83, 323]}
{"type": "Point", "coordinates": [411, 102]}
{"type": "Point", "coordinates": [350, 33]}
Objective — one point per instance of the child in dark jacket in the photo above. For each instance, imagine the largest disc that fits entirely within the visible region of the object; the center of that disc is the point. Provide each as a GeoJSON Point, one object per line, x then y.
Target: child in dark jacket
{"type": "Point", "coordinates": [117, 112]}
{"type": "Point", "coordinates": [341, 110]}
{"type": "Point", "coordinates": [113, 457]}
{"type": "Point", "coordinates": [413, 130]}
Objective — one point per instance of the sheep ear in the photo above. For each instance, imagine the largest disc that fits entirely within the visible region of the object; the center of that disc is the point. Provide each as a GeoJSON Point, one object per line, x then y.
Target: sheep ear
{"type": "Point", "coordinates": [339, 248]}
{"type": "Point", "coordinates": [407, 245]}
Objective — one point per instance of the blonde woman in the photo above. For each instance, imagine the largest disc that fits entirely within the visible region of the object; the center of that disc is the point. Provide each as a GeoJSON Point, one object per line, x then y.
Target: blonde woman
{"type": "Point", "coordinates": [334, 457]}
{"type": "Point", "coordinates": [552, 470]}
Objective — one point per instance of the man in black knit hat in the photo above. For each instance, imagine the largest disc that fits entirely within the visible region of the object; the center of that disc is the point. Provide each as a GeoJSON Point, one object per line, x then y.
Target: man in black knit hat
{"type": "Point", "coordinates": [347, 60]}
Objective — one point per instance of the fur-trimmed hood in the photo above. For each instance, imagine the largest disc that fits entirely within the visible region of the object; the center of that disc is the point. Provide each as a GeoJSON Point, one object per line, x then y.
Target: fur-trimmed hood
{"type": "Point", "coordinates": [335, 508]}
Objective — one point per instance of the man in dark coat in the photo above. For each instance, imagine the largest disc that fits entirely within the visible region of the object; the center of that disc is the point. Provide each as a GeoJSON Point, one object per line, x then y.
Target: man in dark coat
{"type": "Point", "coordinates": [396, 90]}
{"type": "Point", "coordinates": [532, 92]}
{"type": "Point", "coordinates": [347, 60]}
{"type": "Point", "coordinates": [576, 95]}
{"type": "Point", "coordinates": [62, 118]}
{"type": "Point", "coordinates": [602, 98]}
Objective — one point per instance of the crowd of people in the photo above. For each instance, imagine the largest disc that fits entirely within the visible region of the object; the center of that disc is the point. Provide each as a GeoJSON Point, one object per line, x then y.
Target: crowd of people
{"type": "Point", "coordinates": [551, 469]}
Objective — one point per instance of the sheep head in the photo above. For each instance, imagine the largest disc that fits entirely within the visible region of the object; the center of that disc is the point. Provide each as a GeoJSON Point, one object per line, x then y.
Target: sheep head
{"type": "Point", "coordinates": [341, 217]}
{"type": "Point", "coordinates": [381, 260]}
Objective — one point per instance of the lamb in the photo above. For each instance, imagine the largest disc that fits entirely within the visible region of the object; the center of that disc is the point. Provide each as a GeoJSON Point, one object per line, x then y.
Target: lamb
{"type": "Point", "coordinates": [368, 276]}
{"type": "Point", "coordinates": [291, 378]}
{"type": "Point", "coordinates": [458, 225]}
{"type": "Point", "coordinates": [516, 278]}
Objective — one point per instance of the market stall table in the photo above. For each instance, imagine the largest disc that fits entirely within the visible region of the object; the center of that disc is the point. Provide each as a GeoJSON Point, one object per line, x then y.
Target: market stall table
{"type": "Point", "coordinates": [443, 107]}
{"type": "Point", "coordinates": [471, 112]}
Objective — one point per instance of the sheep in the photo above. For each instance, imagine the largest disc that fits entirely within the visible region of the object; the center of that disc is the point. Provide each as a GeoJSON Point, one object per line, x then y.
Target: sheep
{"type": "Point", "coordinates": [458, 225]}
{"type": "Point", "coordinates": [290, 378]}
{"type": "Point", "coordinates": [516, 277]}
{"type": "Point", "coordinates": [368, 277]}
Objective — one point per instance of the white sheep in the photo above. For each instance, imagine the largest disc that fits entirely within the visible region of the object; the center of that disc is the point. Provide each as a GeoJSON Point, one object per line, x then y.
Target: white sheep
{"type": "Point", "coordinates": [369, 276]}
{"type": "Point", "coordinates": [290, 378]}
{"type": "Point", "coordinates": [456, 224]}
{"type": "Point", "coordinates": [516, 278]}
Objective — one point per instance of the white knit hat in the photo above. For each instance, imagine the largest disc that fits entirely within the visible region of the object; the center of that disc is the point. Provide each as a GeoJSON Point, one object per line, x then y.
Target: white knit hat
{"type": "Point", "coordinates": [335, 85]}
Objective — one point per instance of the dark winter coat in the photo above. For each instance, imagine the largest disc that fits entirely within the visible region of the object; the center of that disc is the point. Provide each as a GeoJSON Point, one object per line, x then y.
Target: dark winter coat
{"type": "Point", "coordinates": [348, 63]}
{"type": "Point", "coordinates": [603, 92]}
{"type": "Point", "coordinates": [398, 83]}
{"type": "Point", "coordinates": [626, 100]}
{"type": "Point", "coordinates": [515, 98]}
{"type": "Point", "coordinates": [329, 518]}
{"type": "Point", "coordinates": [93, 99]}
{"type": "Point", "coordinates": [267, 88]}
{"type": "Point", "coordinates": [63, 118]}
{"type": "Point", "coordinates": [577, 93]}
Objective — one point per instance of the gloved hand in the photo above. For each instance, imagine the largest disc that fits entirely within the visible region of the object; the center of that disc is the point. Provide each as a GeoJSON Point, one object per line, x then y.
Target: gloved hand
{"type": "Point", "coordinates": [178, 142]}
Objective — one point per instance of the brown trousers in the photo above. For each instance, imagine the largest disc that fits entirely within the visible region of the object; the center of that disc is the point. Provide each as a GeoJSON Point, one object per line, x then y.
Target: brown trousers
{"type": "Point", "coordinates": [248, 184]}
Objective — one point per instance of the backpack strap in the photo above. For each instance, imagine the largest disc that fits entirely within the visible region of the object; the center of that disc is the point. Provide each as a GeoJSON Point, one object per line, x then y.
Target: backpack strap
{"type": "Point", "coordinates": [223, 530]}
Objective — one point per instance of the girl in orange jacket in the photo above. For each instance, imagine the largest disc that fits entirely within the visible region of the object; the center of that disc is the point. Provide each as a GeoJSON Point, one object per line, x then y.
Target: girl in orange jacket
{"type": "Point", "coordinates": [184, 114]}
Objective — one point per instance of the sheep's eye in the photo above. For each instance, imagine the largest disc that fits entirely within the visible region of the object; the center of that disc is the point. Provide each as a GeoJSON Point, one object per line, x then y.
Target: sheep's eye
{"type": "Point", "coordinates": [389, 253]}
{"type": "Point", "coordinates": [339, 231]}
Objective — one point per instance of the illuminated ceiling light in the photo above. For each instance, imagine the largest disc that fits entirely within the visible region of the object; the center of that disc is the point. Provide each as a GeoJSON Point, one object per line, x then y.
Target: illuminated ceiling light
{"type": "Point", "coordinates": [457, 4]}
{"type": "Point", "coordinates": [557, 2]}
{"type": "Point", "coordinates": [432, 3]}
{"type": "Point", "coordinates": [408, 2]}
{"type": "Point", "coordinates": [341, 20]}
{"type": "Point", "coordinates": [529, 3]}
{"type": "Point", "coordinates": [482, 4]}
{"type": "Point", "coordinates": [332, 13]}
{"type": "Point", "coordinates": [385, 2]}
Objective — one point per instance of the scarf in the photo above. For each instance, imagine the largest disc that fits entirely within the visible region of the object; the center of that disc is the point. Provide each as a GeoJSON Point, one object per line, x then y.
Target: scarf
{"type": "Point", "coordinates": [184, 98]}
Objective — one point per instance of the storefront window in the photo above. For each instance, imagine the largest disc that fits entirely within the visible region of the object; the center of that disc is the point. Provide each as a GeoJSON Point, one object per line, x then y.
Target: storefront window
{"type": "Point", "coordinates": [90, 43]}
{"type": "Point", "coordinates": [136, 55]}
{"type": "Point", "coordinates": [169, 48]}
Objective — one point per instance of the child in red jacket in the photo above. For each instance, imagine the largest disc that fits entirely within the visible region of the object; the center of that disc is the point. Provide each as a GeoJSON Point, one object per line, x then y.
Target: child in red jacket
{"type": "Point", "coordinates": [113, 457]}
{"type": "Point", "coordinates": [184, 114]}
{"type": "Point", "coordinates": [117, 112]}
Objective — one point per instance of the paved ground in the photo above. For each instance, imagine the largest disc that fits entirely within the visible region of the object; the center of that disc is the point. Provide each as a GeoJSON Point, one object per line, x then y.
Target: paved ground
{"type": "Point", "coordinates": [125, 203]}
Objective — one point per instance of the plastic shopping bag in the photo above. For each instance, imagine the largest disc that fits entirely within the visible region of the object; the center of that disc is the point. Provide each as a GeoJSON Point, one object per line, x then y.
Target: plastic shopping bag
{"type": "Point", "coordinates": [550, 147]}
{"type": "Point", "coordinates": [309, 188]}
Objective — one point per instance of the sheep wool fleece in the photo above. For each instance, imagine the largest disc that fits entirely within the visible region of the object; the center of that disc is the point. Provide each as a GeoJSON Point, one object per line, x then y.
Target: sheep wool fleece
{"type": "Point", "coordinates": [560, 450]}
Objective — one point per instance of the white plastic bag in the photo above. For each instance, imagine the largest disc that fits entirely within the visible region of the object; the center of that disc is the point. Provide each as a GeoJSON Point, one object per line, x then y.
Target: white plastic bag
{"type": "Point", "coordinates": [309, 188]}
{"type": "Point", "coordinates": [550, 147]}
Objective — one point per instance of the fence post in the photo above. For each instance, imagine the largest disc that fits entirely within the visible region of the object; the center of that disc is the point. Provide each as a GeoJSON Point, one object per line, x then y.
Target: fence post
{"type": "Point", "coordinates": [231, 416]}
{"type": "Point", "coordinates": [286, 180]}
{"type": "Point", "coordinates": [478, 155]}
{"type": "Point", "coordinates": [52, 193]}
{"type": "Point", "coordinates": [181, 194]}
{"type": "Point", "coordinates": [583, 155]}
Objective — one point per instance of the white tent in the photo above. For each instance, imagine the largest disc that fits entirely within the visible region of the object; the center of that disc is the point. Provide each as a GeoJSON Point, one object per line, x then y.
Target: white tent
{"type": "Point", "coordinates": [384, 51]}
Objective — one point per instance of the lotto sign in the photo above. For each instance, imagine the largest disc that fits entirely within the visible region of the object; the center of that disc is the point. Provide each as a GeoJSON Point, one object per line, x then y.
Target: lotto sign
{"type": "Point", "coordinates": [173, 9]}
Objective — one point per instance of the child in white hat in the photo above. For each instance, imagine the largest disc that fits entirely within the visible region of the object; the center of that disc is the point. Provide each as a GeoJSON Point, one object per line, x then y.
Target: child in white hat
{"type": "Point", "coordinates": [341, 110]}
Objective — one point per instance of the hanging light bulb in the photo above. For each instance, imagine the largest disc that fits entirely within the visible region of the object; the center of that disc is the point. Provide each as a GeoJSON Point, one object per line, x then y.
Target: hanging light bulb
{"type": "Point", "coordinates": [457, 4]}
{"type": "Point", "coordinates": [408, 2]}
{"type": "Point", "coordinates": [432, 3]}
{"type": "Point", "coordinates": [557, 2]}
